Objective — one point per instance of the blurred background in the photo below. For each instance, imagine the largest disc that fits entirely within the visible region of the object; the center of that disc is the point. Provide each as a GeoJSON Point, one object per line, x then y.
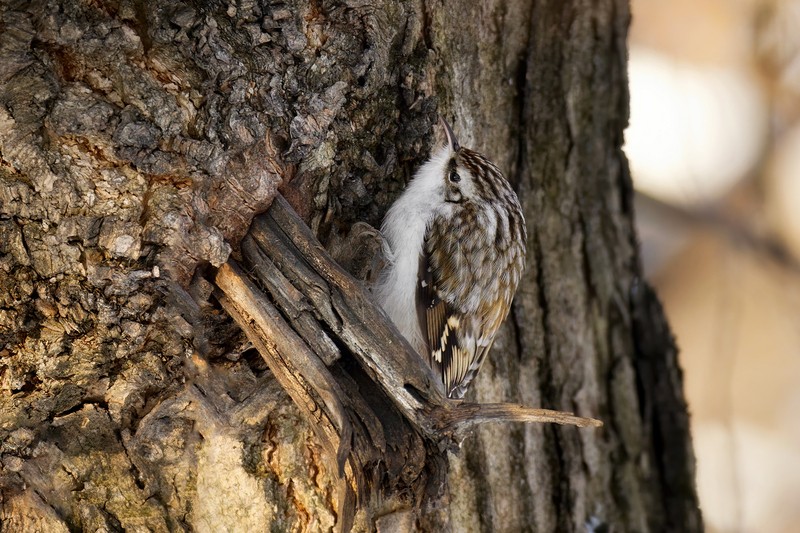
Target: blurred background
{"type": "Point", "coordinates": [714, 147]}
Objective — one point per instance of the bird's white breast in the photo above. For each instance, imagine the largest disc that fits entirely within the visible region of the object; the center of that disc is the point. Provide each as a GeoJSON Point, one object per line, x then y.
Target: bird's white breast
{"type": "Point", "coordinates": [404, 232]}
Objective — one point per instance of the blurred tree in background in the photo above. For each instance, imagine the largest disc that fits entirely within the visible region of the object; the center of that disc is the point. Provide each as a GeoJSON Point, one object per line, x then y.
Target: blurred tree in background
{"type": "Point", "coordinates": [714, 145]}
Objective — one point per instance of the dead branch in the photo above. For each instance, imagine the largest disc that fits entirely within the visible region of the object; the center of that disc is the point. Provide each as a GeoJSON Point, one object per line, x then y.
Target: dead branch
{"type": "Point", "coordinates": [342, 361]}
{"type": "Point", "coordinates": [464, 415]}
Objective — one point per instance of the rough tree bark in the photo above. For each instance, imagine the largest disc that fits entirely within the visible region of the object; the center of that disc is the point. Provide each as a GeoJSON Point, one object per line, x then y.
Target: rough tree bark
{"type": "Point", "coordinates": [137, 142]}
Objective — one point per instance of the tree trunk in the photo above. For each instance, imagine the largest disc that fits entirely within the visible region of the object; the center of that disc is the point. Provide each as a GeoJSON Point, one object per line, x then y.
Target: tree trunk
{"type": "Point", "coordinates": [138, 140]}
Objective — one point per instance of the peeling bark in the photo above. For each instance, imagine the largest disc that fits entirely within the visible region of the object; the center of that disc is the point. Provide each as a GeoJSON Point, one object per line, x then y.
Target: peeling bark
{"type": "Point", "coordinates": [138, 140]}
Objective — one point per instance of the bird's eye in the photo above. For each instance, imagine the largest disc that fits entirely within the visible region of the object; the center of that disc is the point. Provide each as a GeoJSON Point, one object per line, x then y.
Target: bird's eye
{"type": "Point", "coordinates": [454, 177]}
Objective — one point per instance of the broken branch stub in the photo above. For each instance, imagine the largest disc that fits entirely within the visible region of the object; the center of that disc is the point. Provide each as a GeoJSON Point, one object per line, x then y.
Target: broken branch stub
{"type": "Point", "coordinates": [338, 355]}
{"type": "Point", "coordinates": [358, 322]}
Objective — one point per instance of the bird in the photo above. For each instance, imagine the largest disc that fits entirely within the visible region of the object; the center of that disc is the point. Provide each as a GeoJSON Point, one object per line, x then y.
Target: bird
{"type": "Point", "coordinates": [454, 243]}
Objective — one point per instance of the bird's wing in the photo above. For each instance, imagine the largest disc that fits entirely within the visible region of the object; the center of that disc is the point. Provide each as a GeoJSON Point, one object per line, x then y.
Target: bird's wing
{"type": "Point", "coordinates": [431, 311]}
{"type": "Point", "coordinates": [465, 287]}
{"type": "Point", "coordinates": [450, 328]}
{"type": "Point", "coordinates": [440, 324]}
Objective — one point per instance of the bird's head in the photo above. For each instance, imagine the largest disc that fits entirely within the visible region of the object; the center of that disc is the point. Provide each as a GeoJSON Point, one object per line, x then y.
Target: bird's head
{"type": "Point", "coordinates": [466, 175]}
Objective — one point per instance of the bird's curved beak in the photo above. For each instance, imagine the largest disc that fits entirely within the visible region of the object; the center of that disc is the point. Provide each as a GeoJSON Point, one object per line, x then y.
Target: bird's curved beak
{"type": "Point", "coordinates": [451, 137]}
